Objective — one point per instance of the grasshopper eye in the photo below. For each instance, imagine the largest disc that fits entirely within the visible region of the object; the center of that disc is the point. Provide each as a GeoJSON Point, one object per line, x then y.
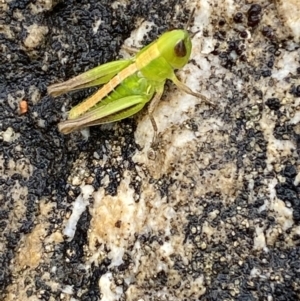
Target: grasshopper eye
{"type": "Point", "coordinates": [180, 49]}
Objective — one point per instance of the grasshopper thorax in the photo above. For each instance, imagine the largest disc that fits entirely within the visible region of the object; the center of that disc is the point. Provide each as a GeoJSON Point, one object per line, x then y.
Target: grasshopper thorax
{"type": "Point", "coordinates": [175, 46]}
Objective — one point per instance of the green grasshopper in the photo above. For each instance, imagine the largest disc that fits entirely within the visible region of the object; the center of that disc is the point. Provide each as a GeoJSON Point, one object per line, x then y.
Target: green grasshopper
{"type": "Point", "coordinates": [128, 84]}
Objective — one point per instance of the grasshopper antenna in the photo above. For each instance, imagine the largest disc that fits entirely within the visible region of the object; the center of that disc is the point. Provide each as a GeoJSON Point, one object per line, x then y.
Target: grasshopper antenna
{"type": "Point", "coordinates": [192, 34]}
{"type": "Point", "coordinates": [189, 20]}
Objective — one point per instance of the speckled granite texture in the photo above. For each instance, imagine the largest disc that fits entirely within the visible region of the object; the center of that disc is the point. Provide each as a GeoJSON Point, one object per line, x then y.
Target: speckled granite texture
{"type": "Point", "coordinates": [215, 216]}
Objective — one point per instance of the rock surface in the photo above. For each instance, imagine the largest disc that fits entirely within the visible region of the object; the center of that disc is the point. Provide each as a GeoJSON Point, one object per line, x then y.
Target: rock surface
{"type": "Point", "coordinates": [213, 215]}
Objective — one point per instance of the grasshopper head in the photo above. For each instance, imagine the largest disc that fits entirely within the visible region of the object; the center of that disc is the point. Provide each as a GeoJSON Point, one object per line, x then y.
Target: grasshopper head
{"type": "Point", "coordinates": [175, 46]}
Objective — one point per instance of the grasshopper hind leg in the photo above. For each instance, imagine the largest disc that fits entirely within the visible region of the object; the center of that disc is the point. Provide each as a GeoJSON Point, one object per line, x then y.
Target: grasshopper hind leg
{"type": "Point", "coordinates": [105, 113]}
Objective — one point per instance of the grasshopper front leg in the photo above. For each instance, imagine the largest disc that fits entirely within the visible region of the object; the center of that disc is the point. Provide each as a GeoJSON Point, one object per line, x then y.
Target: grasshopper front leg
{"type": "Point", "coordinates": [187, 90]}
